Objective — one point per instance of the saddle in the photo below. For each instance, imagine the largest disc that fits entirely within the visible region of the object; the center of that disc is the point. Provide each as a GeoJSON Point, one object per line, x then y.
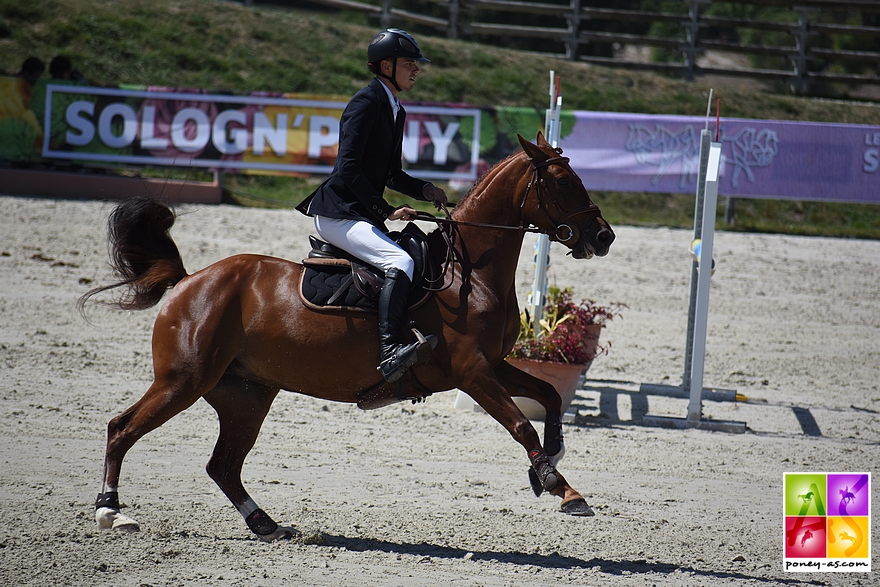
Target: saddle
{"type": "Point", "coordinates": [334, 280]}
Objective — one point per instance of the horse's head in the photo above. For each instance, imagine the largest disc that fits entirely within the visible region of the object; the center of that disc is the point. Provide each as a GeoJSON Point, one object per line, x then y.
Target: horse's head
{"type": "Point", "coordinates": [561, 205]}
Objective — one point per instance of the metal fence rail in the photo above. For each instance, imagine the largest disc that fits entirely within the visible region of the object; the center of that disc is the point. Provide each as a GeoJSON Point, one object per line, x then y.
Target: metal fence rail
{"type": "Point", "coordinates": [576, 31]}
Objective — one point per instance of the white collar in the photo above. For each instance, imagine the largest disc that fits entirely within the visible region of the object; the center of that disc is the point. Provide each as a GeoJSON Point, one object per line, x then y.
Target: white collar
{"type": "Point", "coordinates": [395, 105]}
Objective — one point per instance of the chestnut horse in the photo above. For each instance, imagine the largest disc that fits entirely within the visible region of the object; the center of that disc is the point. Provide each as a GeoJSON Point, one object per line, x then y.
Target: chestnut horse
{"type": "Point", "coordinates": [237, 332]}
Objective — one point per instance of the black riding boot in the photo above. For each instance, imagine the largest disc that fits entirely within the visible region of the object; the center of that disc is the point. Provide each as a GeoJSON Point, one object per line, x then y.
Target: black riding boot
{"type": "Point", "coordinates": [397, 357]}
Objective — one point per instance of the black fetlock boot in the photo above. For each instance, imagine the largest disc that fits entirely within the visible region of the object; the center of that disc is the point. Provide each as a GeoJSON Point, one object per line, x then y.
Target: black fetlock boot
{"type": "Point", "coordinates": [397, 357]}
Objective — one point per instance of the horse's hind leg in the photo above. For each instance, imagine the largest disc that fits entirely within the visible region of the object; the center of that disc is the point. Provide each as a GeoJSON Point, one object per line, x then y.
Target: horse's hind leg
{"type": "Point", "coordinates": [161, 402]}
{"type": "Point", "coordinates": [241, 406]}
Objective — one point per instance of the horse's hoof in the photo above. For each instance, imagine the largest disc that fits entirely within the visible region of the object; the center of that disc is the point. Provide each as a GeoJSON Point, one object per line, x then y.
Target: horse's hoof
{"type": "Point", "coordinates": [127, 527]}
{"type": "Point", "coordinates": [112, 519]}
{"type": "Point", "coordinates": [577, 507]}
{"type": "Point", "coordinates": [280, 533]}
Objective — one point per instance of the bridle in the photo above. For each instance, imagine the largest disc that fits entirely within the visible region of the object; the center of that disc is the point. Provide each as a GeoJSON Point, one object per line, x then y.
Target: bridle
{"type": "Point", "coordinates": [539, 183]}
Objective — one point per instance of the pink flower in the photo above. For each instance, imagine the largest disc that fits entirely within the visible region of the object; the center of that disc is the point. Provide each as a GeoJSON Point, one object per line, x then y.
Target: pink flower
{"type": "Point", "coordinates": [569, 331]}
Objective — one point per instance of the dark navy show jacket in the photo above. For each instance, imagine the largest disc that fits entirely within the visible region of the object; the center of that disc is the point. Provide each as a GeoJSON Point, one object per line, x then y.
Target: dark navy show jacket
{"type": "Point", "coordinates": [369, 159]}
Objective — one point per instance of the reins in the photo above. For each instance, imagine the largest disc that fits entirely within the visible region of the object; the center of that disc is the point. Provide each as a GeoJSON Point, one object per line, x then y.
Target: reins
{"type": "Point", "coordinates": [449, 238]}
{"type": "Point", "coordinates": [428, 217]}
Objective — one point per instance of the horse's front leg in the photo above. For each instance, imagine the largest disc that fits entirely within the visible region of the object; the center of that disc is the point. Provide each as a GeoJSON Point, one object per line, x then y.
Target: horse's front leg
{"type": "Point", "coordinates": [486, 389]}
{"type": "Point", "coordinates": [520, 384]}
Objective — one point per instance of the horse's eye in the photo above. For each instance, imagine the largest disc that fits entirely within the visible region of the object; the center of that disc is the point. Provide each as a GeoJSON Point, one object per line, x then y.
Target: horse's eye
{"type": "Point", "coordinates": [563, 182]}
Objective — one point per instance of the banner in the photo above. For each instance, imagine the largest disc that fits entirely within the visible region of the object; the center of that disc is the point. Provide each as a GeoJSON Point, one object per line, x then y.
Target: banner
{"type": "Point", "coordinates": [258, 132]}
{"type": "Point", "coordinates": [760, 159]}
{"type": "Point", "coordinates": [280, 133]}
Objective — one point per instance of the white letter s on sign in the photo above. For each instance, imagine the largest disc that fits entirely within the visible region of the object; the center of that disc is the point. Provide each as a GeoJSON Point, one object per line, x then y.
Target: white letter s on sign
{"type": "Point", "coordinates": [78, 122]}
{"type": "Point", "coordinates": [872, 160]}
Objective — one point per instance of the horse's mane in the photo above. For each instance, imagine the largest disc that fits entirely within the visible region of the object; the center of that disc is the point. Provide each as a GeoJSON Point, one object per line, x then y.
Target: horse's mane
{"type": "Point", "coordinates": [486, 177]}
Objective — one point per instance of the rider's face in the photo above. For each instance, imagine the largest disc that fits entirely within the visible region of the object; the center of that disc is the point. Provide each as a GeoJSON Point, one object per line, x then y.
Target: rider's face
{"type": "Point", "coordinates": [407, 70]}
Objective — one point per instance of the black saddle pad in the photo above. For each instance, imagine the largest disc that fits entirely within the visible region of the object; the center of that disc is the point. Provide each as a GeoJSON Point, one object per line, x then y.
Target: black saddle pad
{"type": "Point", "coordinates": [322, 280]}
{"type": "Point", "coordinates": [328, 282]}
{"type": "Point", "coordinates": [320, 284]}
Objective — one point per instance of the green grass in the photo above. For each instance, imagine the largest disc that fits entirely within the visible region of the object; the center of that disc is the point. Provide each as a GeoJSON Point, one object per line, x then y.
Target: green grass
{"type": "Point", "coordinates": [223, 46]}
{"type": "Point", "coordinates": [772, 216]}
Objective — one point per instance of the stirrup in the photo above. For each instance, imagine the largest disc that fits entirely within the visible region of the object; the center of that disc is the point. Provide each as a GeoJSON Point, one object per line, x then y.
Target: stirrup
{"type": "Point", "coordinates": [405, 356]}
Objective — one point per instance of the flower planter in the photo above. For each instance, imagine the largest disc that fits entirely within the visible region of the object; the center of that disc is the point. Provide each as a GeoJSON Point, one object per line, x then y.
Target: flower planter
{"type": "Point", "coordinates": [560, 346]}
{"type": "Point", "coordinates": [563, 376]}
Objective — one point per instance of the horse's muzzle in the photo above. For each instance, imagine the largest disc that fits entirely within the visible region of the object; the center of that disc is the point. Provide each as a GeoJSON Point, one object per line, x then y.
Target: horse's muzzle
{"type": "Point", "coordinates": [597, 244]}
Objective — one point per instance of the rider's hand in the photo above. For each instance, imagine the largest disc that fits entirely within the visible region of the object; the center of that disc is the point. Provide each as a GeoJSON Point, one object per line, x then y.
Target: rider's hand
{"type": "Point", "coordinates": [403, 213]}
{"type": "Point", "coordinates": [434, 194]}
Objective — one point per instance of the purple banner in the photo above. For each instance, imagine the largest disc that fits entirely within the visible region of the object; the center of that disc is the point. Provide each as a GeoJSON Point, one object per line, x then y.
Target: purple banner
{"type": "Point", "coordinates": [760, 159]}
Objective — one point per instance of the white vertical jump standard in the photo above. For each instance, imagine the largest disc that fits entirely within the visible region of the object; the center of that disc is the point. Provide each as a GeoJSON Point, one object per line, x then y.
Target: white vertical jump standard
{"type": "Point", "coordinates": [552, 128]}
{"type": "Point", "coordinates": [701, 317]}
{"type": "Point", "coordinates": [708, 180]}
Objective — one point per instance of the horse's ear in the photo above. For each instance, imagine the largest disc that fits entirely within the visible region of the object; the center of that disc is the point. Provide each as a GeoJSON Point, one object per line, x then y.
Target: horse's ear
{"type": "Point", "coordinates": [532, 150]}
{"type": "Point", "coordinates": [542, 142]}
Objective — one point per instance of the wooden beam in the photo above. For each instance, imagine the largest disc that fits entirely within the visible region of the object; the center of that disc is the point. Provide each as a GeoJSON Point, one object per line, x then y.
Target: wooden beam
{"type": "Point", "coordinates": [520, 7]}
{"type": "Point", "coordinates": [501, 30]}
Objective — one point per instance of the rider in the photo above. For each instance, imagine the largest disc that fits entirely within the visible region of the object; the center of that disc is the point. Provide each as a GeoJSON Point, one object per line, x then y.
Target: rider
{"type": "Point", "coordinates": [349, 208]}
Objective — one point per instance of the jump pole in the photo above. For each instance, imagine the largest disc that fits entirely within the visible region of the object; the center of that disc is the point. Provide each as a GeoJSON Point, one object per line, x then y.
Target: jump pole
{"type": "Point", "coordinates": [552, 127]}
{"type": "Point", "coordinates": [692, 380]}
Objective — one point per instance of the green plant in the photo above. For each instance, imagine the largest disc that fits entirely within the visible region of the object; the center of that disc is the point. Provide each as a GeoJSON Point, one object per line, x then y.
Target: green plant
{"type": "Point", "coordinates": [562, 334]}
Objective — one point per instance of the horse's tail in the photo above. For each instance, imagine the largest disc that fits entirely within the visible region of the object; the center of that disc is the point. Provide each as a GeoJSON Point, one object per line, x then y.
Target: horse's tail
{"type": "Point", "coordinates": [142, 252]}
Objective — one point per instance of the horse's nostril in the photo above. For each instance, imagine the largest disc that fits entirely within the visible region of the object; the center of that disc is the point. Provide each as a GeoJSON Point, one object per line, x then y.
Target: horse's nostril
{"type": "Point", "coordinates": [606, 237]}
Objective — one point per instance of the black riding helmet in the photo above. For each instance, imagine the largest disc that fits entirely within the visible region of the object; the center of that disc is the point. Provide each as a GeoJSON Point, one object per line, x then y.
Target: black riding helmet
{"type": "Point", "coordinates": [391, 44]}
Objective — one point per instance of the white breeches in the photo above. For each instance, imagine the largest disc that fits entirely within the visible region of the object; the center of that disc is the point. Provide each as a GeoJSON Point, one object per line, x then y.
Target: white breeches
{"type": "Point", "coordinates": [366, 242]}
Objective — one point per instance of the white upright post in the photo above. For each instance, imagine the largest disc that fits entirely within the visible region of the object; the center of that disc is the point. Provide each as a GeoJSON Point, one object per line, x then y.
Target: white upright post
{"type": "Point", "coordinates": [537, 298]}
{"type": "Point", "coordinates": [701, 315]}
{"type": "Point", "coordinates": [539, 285]}
{"type": "Point", "coordinates": [698, 306]}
